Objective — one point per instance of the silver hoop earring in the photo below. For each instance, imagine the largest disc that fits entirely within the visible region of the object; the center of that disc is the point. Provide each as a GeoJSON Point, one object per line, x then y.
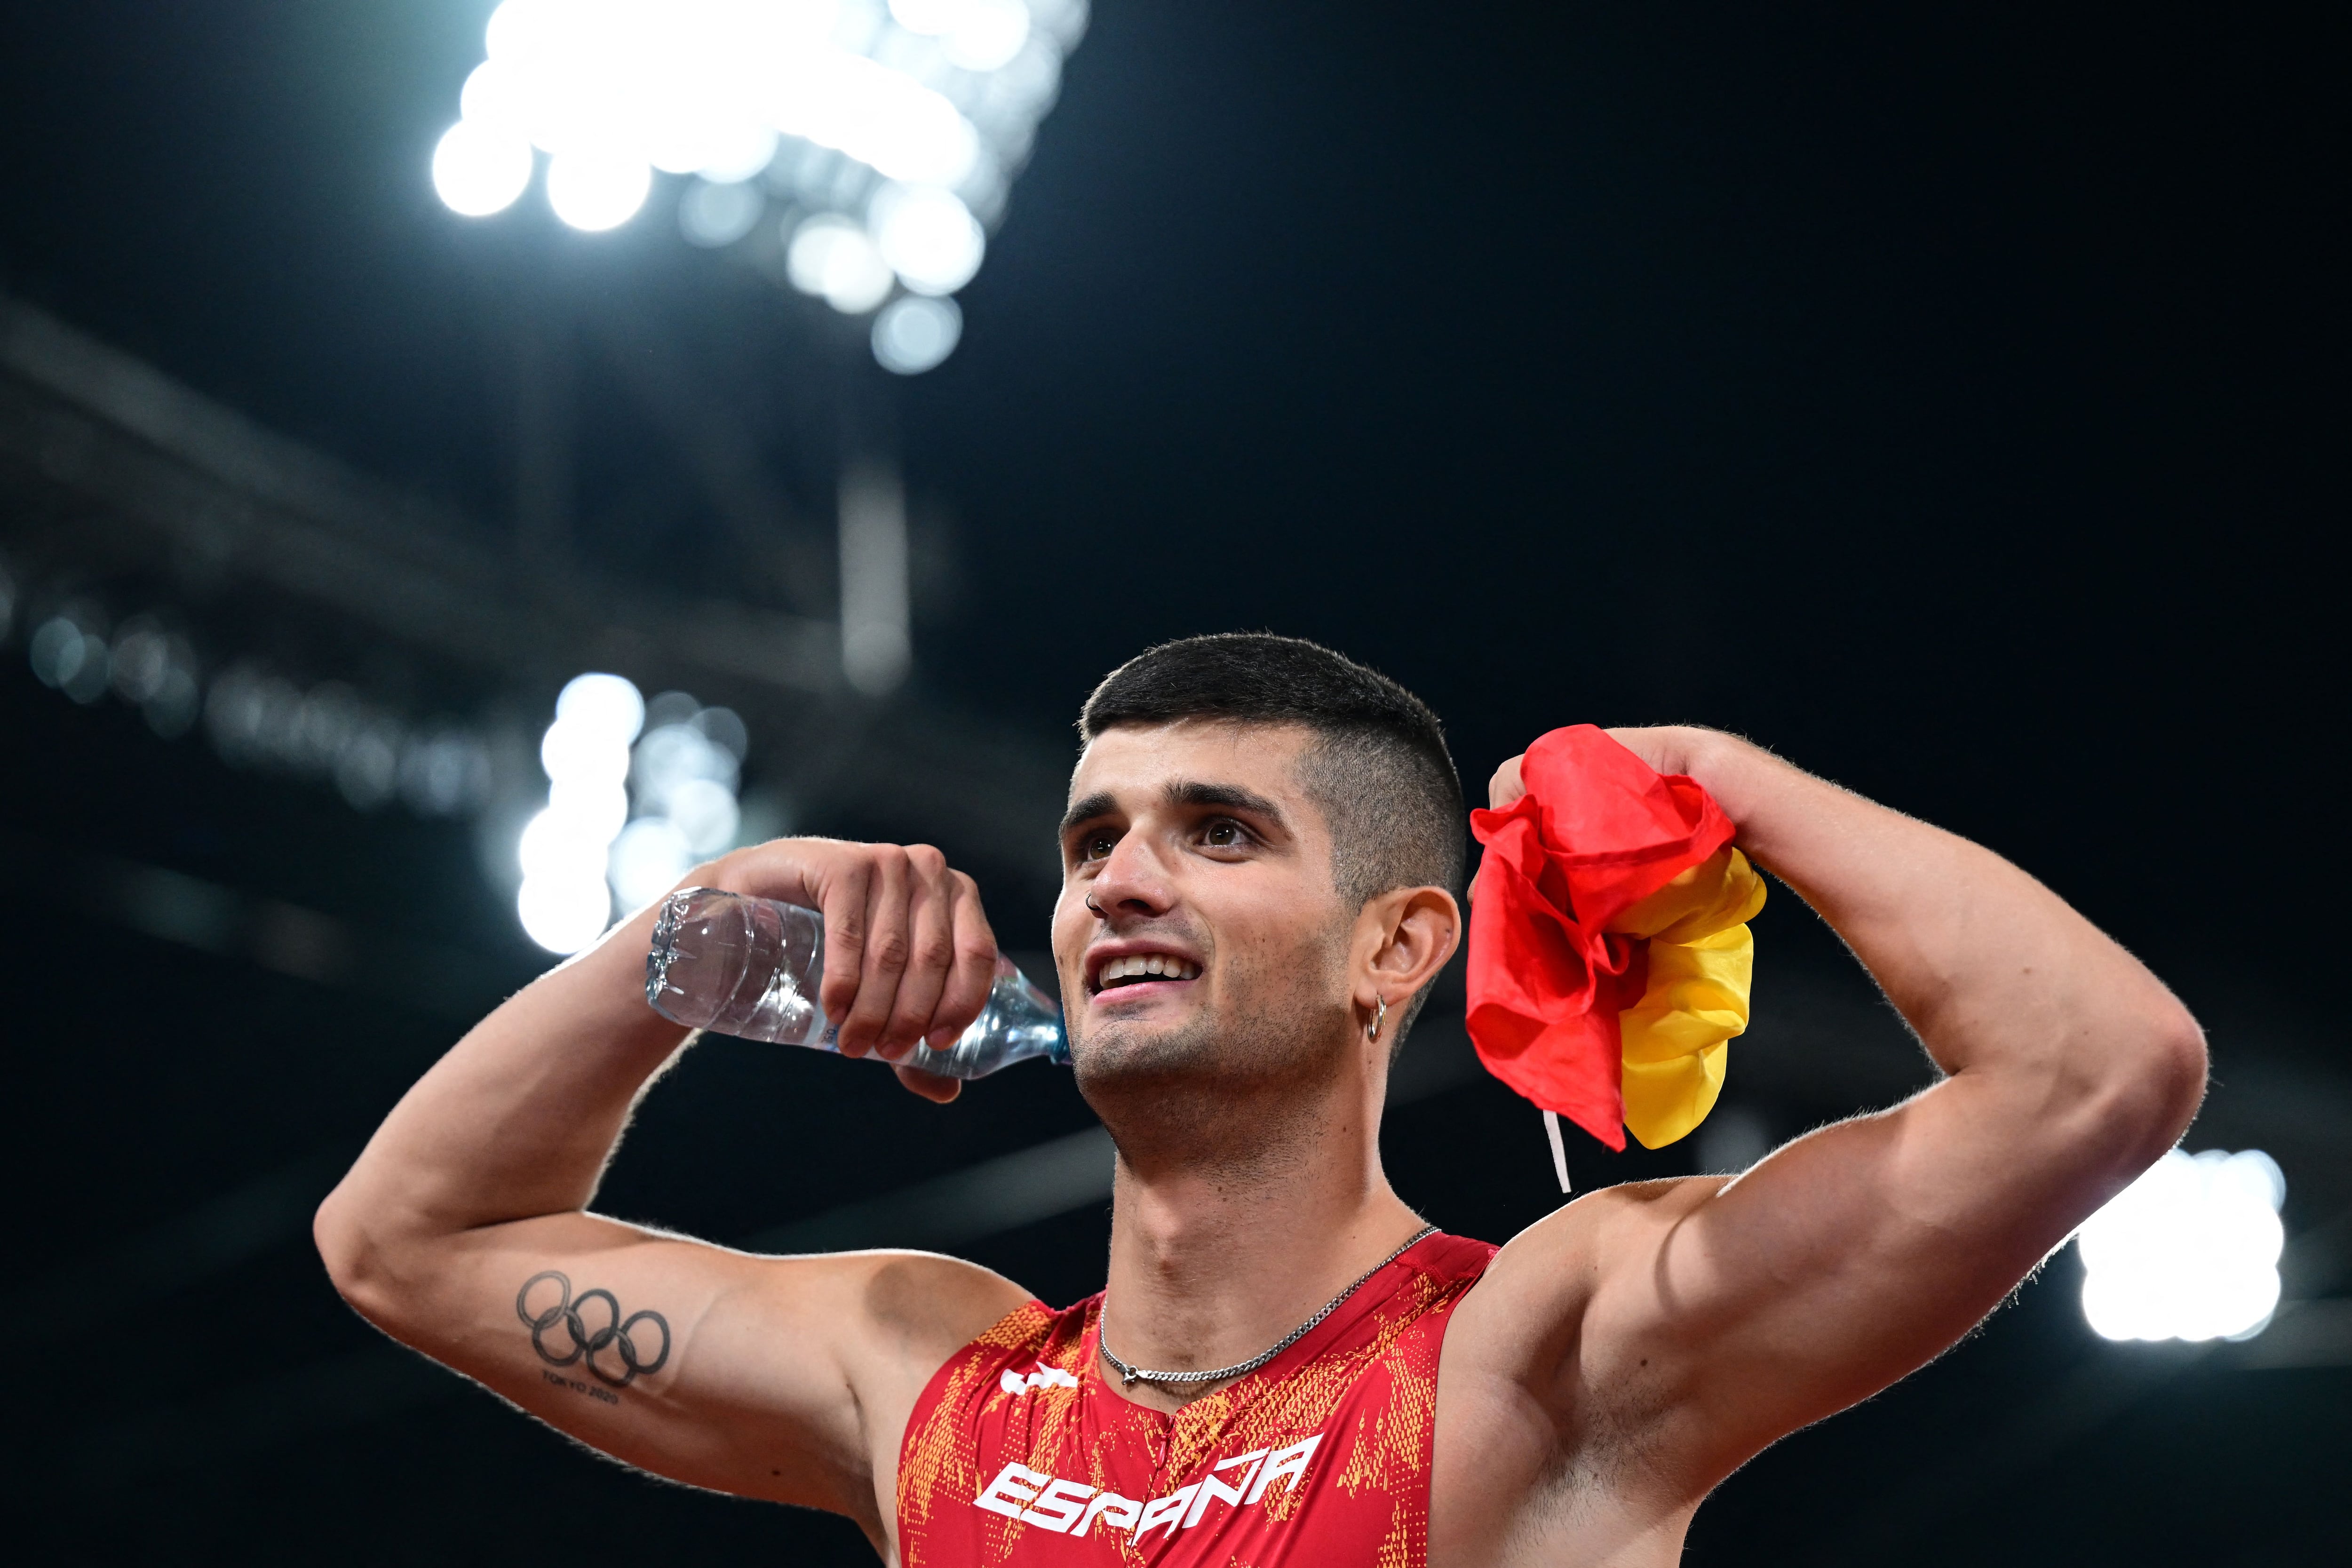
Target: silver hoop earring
{"type": "Point", "coordinates": [1380, 1017]}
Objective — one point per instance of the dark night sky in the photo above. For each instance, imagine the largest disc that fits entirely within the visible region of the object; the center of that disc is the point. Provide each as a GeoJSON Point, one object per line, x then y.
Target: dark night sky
{"type": "Point", "coordinates": [1950, 396]}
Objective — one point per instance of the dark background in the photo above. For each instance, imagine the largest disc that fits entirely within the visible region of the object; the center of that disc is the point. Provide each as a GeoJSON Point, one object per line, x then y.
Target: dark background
{"type": "Point", "coordinates": [1951, 398]}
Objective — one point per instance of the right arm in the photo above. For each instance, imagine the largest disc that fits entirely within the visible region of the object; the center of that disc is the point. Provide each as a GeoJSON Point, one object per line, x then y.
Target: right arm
{"type": "Point", "coordinates": [788, 1379]}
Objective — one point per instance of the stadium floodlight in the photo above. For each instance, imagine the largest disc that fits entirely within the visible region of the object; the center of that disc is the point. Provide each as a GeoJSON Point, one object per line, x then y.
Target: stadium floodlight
{"type": "Point", "coordinates": [637, 793]}
{"type": "Point", "coordinates": [480, 169]}
{"type": "Point", "coordinates": [912, 333]}
{"type": "Point", "coordinates": [904, 120]}
{"type": "Point", "coordinates": [2188, 1251]}
{"type": "Point", "coordinates": [928, 235]}
{"type": "Point", "coordinates": [838, 262]}
{"type": "Point", "coordinates": [563, 903]}
{"type": "Point", "coordinates": [593, 189]}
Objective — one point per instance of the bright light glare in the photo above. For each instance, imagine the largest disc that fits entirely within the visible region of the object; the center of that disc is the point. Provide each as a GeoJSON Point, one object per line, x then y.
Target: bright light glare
{"type": "Point", "coordinates": [705, 812]}
{"type": "Point", "coordinates": [594, 190]}
{"type": "Point", "coordinates": [492, 97]}
{"type": "Point", "coordinates": [707, 85]}
{"type": "Point", "coordinates": [682, 784]}
{"type": "Point", "coordinates": [563, 915]}
{"type": "Point", "coordinates": [480, 169]}
{"type": "Point", "coordinates": [557, 844]}
{"type": "Point", "coordinates": [711, 216]}
{"type": "Point", "coordinates": [519, 28]}
{"type": "Point", "coordinates": [913, 333]}
{"type": "Point", "coordinates": [1064, 19]}
{"type": "Point", "coordinates": [648, 859]}
{"type": "Point", "coordinates": [607, 705]}
{"type": "Point", "coordinates": [833, 258]}
{"type": "Point", "coordinates": [564, 903]}
{"type": "Point", "coordinates": [594, 809]}
{"type": "Point", "coordinates": [2188, 1251]}
{"type": "Point", "coordinates": [927, 16]}
{"type": "Point", "coordinates": [582, 753]}
{"type": "Point", "coordinates": [978, 35]}
{"type": "Point", "coordinates": [939, 95]}
{"type": "Point", "coordinates": [929, 236]}
{"type": "Point", "coordinates": [988, 34]}
{"type": "Point", "coordinates": [733, 154]}
{"type": "Point", "coordinates": [672, 756]}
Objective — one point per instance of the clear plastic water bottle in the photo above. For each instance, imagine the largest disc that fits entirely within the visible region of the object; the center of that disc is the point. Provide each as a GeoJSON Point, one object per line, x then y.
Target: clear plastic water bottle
{"type": "Point", "coordinates": [749, 967]}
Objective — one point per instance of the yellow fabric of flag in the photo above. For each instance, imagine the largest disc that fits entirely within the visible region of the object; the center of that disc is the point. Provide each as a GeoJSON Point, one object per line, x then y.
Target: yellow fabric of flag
{"type": "Point", "coordinates": [1702, 961]}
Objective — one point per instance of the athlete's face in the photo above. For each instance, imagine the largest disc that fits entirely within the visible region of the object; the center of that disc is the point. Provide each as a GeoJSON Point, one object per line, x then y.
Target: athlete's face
{"type": "Point", "coordinates": [1198, 928]}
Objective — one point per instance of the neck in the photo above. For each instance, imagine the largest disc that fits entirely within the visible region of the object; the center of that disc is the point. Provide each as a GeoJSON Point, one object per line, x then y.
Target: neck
{"type": "Point", "coordinates": [1235, 1220]}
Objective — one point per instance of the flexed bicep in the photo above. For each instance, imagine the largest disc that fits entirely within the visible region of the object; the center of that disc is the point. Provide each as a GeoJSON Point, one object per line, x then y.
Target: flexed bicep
{"type": "Point", "coordinates": [1721, 1315]}
{"type": "Point", "coordinates": [1840, 1264]}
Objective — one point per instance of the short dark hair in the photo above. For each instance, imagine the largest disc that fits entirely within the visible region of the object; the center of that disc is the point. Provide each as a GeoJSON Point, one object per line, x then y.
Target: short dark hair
{"type": "Point", "coordinates": [1378, 768]}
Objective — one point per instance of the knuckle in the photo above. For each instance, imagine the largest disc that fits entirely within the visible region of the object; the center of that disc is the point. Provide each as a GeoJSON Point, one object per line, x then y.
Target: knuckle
{"type": "Point", "coordinates": [890, 949]}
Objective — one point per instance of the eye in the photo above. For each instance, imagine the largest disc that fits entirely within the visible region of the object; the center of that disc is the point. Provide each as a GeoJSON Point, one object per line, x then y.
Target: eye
{"type": "Point", "coordinates": [1096, 846]}
{"type": "Point", "coordinates": [1226, 834]}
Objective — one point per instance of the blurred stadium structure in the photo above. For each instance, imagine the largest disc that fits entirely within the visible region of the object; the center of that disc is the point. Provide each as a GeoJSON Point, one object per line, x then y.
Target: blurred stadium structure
{"type": "Point", "coordinates": [168, 553]}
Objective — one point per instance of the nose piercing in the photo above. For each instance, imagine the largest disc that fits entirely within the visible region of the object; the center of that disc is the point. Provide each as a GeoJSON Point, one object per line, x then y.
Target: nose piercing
{"type": "Point", "coordinates": [1096, 907]}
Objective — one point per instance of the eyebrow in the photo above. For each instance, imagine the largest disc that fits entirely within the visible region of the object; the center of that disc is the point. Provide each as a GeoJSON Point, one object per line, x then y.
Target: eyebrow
{"type": "Point", "coordinates": [1181, 791]}
{"type": "Point", "coordinates": [1086, 809]}
{"type": "Point", "coordinates": [1189, 792]}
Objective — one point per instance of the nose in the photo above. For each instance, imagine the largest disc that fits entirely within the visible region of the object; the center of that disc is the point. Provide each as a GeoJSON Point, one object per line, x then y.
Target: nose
{"type": "Point", "coordinates": [1133, 883]}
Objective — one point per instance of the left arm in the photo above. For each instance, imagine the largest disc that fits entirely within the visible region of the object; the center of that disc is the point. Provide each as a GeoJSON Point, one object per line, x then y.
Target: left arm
{"type": "Point", "coordinates": [1703, 1320]}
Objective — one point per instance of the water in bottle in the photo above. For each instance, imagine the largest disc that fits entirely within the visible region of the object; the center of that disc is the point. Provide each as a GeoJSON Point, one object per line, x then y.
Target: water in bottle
{"type": "Point", "coordinates": [739, 965]}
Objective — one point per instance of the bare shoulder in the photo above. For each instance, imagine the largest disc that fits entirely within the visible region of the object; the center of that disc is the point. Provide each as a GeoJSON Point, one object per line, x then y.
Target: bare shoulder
{"type": "Point", "coordinates": [922, 1307]}
{"type": "Point", "coordinates": [1528, 1310]}
{"type": "Point", "coordinates": [889, 1321]}
{"type": "Point", "coordinates": [912, 1311]}
{"type": "Point", "coordinates": [1543, 1414]}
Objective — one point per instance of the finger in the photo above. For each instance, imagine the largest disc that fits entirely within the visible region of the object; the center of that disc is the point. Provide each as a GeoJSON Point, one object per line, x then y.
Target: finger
{"type": "Point", "coordinates": [790, 870]}
{"type": "Point", "coordinates": [930, 925]}
{"type": "Point", "coordinates": [840, 891]}
{"type": "Point", "coordinates": [884, 958]}
{"type": "Point", "coordinates": [1504, 786]}
{"type": "Point", "coordinates": [929, 1085]}
{"type": "Point", "coordinates": [974, 974]}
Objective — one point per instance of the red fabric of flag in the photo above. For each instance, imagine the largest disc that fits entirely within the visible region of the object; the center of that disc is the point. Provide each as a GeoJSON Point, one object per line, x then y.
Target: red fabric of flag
{"type": "Point", "coordinates": [1597, 831]}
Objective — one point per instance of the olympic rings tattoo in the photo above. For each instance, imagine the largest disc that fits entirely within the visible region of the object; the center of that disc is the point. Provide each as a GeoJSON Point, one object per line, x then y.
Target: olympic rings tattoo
{"type": "Point", "coordinates": [615, 1334]}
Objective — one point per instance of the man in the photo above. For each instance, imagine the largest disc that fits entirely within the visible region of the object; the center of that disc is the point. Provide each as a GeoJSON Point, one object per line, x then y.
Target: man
{"type": "Point", "coordinates": [1260, 859]}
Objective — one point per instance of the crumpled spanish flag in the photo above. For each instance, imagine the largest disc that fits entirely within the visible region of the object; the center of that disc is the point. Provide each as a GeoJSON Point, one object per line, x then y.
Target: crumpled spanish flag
{"type": "Point", "coordinates": [1610, 956]}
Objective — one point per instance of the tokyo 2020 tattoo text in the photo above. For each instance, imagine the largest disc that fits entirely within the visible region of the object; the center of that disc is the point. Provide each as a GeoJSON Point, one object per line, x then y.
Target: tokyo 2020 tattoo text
{"type": "Point", "coordinates": [589, 1329]}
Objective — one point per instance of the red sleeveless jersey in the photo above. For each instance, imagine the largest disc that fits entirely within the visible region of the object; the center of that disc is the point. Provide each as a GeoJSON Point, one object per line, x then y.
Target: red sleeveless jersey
{"type": "Point", "coordinates": [1018, 1453]}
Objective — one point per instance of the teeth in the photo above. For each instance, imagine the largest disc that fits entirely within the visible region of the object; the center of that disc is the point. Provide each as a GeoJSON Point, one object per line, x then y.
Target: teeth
{"type": "Point", "coordinates": [1146, 966]}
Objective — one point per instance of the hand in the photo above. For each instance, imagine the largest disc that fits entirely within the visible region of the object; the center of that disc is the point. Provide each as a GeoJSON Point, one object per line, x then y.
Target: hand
{"type": "Point", "coordinates": [1667, 748]}
{"type": "Point", "coordinates": [908, 955]}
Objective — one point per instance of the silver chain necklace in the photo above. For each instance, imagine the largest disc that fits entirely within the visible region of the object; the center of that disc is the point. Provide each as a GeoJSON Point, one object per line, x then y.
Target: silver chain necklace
{"type": "Point", "coordinates": [1132, 1375]}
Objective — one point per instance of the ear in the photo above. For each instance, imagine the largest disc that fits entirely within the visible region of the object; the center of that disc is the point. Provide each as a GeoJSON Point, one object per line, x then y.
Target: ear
{"type": "Point", "coordinates": [1402, 938]}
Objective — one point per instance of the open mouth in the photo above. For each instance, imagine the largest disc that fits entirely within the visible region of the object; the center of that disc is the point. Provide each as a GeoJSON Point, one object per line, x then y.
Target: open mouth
{"type": "Point", "coordinates": [1141, 968]}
